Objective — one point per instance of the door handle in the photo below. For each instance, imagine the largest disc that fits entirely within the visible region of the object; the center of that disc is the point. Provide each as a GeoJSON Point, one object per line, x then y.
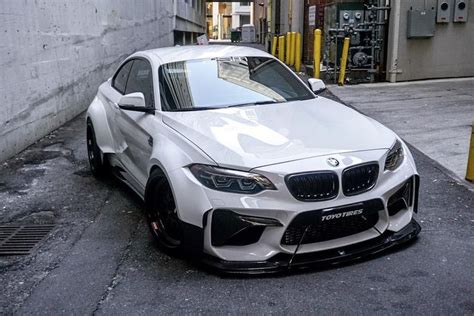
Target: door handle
{"type": "Point", "coordinates": [150, 141]}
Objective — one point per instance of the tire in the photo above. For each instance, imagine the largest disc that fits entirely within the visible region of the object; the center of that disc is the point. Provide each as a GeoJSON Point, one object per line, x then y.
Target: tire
{"type": "Point", "coordinates": [97, 165]}
{"type": "Point", "coordinates": [161, 212]}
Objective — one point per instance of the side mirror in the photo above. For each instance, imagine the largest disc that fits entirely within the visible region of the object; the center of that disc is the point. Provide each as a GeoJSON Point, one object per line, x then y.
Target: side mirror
{"type": "Point", "coordinates": [316, 85]}
{"type": "Point", "coordinates": [134, 102]}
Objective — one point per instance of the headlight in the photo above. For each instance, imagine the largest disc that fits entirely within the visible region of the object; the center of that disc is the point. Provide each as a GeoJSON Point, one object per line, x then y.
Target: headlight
{"type": "Point", "coordinates": [394, 157]}
{"type": "Point", "coordinates": [231, 180]}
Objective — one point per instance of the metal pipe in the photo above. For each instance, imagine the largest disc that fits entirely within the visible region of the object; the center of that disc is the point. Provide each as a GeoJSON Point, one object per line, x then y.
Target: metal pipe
{"type": "Point", "coordinates": [395, 40]}
{"type": "Point", "coordinates": [298, 52]}
{"type": "Point", "coordinates": [281, 48]}
{"type": "Point", "coordinates": [345, 54]}
{"type": "Point", "coordinates": [335, 61]}
{"type": "Point", "coordinates": [292, 48]}
{"type": "Point", "coordinates": [317, 53]}
{"type": "Point", "coordinates": [274, 45]}
{"type": "Point", "coordinates": [470, 158]}
{"type": "Point", "coordinates": [288, 44]}
{"type": "Point", "coordinates": [290, 14]}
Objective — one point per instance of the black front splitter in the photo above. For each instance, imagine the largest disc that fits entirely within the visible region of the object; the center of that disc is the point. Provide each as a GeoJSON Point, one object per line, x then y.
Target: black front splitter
{"type": "Point", "coordinates": [320, 259]}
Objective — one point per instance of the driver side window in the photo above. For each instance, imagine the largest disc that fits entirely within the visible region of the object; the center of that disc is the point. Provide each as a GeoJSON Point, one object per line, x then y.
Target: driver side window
{"type": "Point", "coordinates": [141, 80]}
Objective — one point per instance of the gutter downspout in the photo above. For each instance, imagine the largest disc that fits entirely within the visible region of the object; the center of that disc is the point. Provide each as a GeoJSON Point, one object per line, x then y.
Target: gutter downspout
{"type": "Point", "coordinates": [396, 36]}
{"type": "Point", "coordinates": [290, 15]}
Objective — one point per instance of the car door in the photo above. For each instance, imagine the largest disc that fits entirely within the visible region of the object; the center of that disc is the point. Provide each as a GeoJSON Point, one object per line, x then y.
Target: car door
{"type": "Point", "coordinates": [134, 126]}
{"type": "Point", "coordinates": [112, 93]}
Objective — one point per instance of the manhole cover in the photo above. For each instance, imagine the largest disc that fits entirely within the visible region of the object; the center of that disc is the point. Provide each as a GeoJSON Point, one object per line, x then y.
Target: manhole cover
{"type": "Point", "coordinates": [20, 240]}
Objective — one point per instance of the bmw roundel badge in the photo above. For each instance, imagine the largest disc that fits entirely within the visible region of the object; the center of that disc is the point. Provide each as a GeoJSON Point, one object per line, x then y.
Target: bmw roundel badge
{"type": "Point", "coordinates": [333, 162]}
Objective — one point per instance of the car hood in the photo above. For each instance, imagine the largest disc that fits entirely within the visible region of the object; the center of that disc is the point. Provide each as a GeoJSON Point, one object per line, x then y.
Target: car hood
{"type": "Point", "coordinates": [254, 136]}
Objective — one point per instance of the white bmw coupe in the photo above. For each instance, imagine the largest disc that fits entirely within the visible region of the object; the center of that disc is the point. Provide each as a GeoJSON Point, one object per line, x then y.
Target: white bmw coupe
{"type": "Point", "coordinates": [241, 162]}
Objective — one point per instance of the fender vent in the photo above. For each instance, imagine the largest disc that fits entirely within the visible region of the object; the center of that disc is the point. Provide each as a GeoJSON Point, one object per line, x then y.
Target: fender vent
{"type": "Point", "coordinates": [20, 240]}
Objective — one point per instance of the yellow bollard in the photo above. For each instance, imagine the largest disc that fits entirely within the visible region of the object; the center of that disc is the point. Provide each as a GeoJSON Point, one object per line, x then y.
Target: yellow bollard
{"type": "Point", "coordinates": [470, 158]}
{"type": "Point", "coordinates": [298, 52]}
{"type": "Point", "coordinates": [274, 45]}
{"type": "Point", "coordinates": [345, 53]}
{"type": "Point", "coordinates": [293, 48]}
{"type": "Point", "coordinates": [281, 48]}
{"type": "Point", "coordinates": [288, 45]}
{"type": "Point", "coordinates": [317, 53]}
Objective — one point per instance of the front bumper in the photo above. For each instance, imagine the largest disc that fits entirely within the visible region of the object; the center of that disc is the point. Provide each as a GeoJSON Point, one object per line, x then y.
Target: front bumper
{"type": "Point", "coordinates": [272, 212]}
{"type": "Point", "coordinates": [321, 259]}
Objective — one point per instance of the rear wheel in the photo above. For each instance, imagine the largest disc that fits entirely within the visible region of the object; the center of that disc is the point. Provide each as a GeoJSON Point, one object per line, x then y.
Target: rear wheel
{"type": "Point", "coordinates": [161, 212]}
{"type": "Point", "coordinates": [97, 165]}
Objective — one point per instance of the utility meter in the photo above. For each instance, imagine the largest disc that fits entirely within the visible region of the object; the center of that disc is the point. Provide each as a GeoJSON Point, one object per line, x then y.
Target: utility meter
{"type": "Point", "coordinates": [460, 11]}
{"type": "Point", "coordinates": [443, 13]}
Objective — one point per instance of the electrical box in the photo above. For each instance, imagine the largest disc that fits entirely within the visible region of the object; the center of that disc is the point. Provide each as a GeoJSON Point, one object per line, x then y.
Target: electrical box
{"type": "Point", "coordinates": [421, 23]}
{"type": "Point", "coordinates": [460, 11]}
{"type": "Point", "coordinates": [444, 9]}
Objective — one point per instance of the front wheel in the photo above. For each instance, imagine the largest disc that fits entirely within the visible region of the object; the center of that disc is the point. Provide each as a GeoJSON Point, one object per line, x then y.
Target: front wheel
{"type": "Point", "coordinates": [161, 212]}
{"type": "Point", "coordinates": [97, 164]}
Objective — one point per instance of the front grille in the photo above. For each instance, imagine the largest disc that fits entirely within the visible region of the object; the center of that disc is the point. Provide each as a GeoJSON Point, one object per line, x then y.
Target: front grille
{"type": "Point", "coordinates": [313, 186]}
{"type": "Point", "coordinates": [341, 223]}
{"type": "Point", "coordinates": [359, 179]}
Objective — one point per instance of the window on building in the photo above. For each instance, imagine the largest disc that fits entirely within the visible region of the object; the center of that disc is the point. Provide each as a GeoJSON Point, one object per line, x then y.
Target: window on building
{"type": "Point", "coordinates": [244, 19]}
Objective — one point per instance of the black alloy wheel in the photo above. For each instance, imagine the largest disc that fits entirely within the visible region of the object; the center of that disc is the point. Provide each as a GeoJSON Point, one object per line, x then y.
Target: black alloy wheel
{"type": "Point", "coordinates": [161, 212]}
{"type": "Point", "coordinates": [94, 154]}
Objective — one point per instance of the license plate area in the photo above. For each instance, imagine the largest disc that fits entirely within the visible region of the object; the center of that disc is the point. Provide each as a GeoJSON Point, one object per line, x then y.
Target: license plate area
{"type": "Point", "coordinates": [358, 209]}
{"type": "Point", "coordinates": [332, 223]}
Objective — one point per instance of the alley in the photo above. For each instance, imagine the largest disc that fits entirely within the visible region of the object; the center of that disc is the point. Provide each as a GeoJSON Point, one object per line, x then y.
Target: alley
{"type": "Point", "coordinates": [100, 259]}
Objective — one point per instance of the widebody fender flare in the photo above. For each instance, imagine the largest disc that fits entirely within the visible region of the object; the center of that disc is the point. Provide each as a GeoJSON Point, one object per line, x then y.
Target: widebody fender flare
{"type": "Point", "coordinates": [97, 114]}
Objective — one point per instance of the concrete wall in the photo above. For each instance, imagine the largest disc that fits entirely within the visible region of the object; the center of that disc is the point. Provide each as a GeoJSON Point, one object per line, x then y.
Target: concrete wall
{"type": "Point", "coordinates": [448, 54]}
{"type": "Point", "coordinates": [190, 16]}
{"type": "Point", "coordinates": [55, 53]}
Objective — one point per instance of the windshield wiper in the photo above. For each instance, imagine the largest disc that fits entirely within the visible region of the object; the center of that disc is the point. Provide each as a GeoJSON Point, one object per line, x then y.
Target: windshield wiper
{"type": "Point", "coordinates": [254, 103]}
{"type": "Point", "coordinates": [199, 108]}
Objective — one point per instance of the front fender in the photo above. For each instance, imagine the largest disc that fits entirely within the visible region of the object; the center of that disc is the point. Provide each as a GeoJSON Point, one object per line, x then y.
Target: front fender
{"type": "Point", "coordinates": [97, 114]}
{"type": "Point", "coordinates": [172, 153]}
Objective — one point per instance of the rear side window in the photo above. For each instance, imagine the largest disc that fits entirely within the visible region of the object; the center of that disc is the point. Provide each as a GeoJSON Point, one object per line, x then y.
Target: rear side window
{"type": "Point", "coordinates": [140, 80]}
{"type": "Point", "coordinates": [120, 80]}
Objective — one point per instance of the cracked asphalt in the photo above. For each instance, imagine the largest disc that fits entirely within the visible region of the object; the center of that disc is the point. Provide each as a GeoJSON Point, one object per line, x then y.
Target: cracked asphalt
{"type": "Point", "coordinates": [100, 259]}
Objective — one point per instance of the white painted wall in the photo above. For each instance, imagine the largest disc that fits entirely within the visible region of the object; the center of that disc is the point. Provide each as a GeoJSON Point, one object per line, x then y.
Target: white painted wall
{"type": "Point", "coordinates": [55, 53]}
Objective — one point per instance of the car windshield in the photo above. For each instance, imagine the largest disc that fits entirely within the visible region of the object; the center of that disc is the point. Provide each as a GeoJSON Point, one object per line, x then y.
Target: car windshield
{"type": "Point", "coordinates": [227, 82]}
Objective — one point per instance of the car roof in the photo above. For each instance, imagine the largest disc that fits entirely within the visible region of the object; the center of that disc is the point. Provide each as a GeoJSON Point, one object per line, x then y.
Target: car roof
{"type": "Point", "coordinates": [182, 53]}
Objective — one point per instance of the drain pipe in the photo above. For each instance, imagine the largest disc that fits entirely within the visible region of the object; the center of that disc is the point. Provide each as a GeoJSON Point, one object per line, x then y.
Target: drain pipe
{"type": "Point", "coordinates": [396, 4]}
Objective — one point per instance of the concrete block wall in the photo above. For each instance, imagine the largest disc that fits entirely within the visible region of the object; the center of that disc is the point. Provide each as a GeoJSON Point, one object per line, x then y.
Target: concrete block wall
{"type": "Point", "coordinates": [55, 53]}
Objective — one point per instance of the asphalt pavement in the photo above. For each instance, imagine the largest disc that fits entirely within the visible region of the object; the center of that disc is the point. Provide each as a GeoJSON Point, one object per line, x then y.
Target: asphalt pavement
{"type": "Point", "coordinates": [100, 259]}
